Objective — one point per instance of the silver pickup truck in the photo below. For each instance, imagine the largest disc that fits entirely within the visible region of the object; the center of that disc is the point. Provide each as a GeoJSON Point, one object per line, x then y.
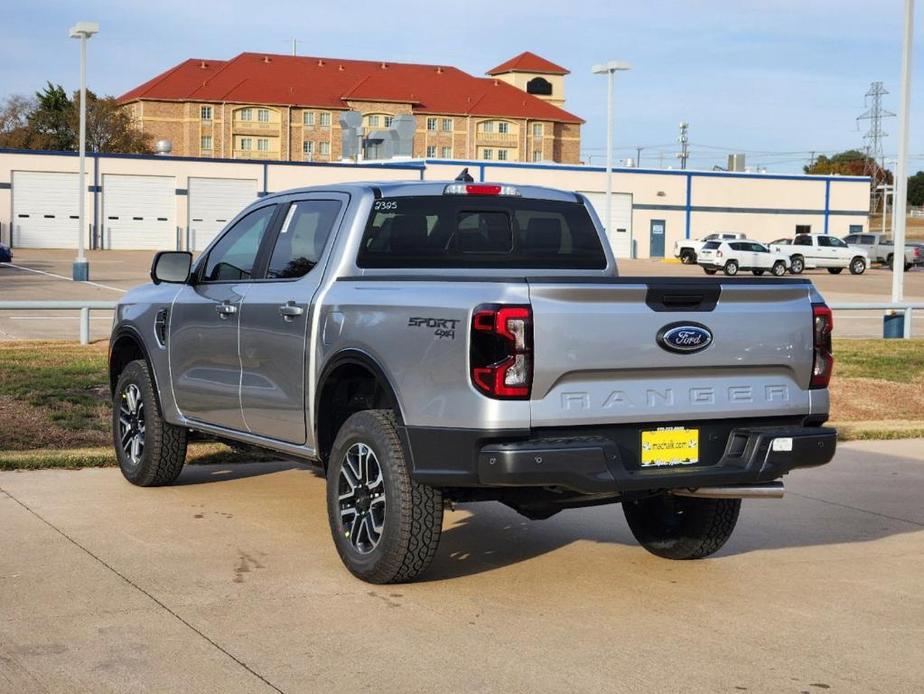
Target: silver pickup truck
{"type": "Point", "coordinates": [428, 343]}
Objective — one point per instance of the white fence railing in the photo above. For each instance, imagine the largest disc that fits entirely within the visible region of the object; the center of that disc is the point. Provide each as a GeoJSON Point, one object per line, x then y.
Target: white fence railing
{"type": "Point", "coordinates": [83, 306]}
{"type": "Point", "coordinates": [86, 306]}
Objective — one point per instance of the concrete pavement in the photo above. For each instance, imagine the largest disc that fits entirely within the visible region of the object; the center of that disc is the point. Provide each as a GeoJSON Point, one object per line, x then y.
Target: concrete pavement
{"type": "Point", "coordinates": [229, 581]}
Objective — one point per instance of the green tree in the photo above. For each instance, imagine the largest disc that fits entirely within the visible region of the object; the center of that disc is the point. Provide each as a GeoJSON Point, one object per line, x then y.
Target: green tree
{"type": "Point", "coordinates": [916, 189]}
{"type": "Point", "coordinates": [110, 127]}
{"type": "Point", "coordinates": [50, 122]}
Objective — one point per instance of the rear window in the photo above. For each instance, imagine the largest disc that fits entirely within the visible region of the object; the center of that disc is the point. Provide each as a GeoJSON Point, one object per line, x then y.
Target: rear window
{"type": "Point", "coordinates": [712, 245]}
{"type": "Point", "coordinates": [447, 231]}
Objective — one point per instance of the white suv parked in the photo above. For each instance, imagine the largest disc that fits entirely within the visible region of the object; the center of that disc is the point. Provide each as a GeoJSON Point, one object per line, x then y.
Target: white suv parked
{"type": "Point", "coordinates": [732, 256]}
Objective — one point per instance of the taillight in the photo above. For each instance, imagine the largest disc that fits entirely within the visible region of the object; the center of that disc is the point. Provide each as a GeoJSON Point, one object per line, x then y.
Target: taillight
{"type": "Point", "coordinates": [917, 252]}
{"type": "Point", "coordinates": [718, 254]}
{"type": "Point", "coordinates": [501, 353]}
{"type": "Point", "coordinates": [823, 362]}
{"type": "Point", "coordinates": [480, 189]}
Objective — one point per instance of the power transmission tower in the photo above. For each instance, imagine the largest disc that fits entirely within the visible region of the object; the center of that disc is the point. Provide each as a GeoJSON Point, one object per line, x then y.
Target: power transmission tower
{"type": "Point", "coordinates": [874, 165]}
{"type": "Point", "coordinates": [684, 152]}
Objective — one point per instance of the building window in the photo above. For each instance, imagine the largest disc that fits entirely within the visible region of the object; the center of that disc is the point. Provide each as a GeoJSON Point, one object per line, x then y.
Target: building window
{"type": "Point", "coordinates": [246, 143]}
{"type": "Point", "coordinates": [502, 155]}
{"type": "Point", "coordinates": [324, 149]}
{"type": "Point", "coordinates": [205, 113]}
{"type": "Point", "coordinates": [446, 152]}
{"type": "Point", "coordinates": [447, 125]}
{"type": "Point", "coordinates": [246, 113]}
{"type": "Point", "coordinates": [262, 144]}
{"type": "Point", "coordinates": [325, 119]}
{"type": "Point", "coordinates": [308, 118]}
{"type": "Point", "coordinates": [206, 143]}
{"type": "Point", "coordinates": [431, 124]}
{"type": "Point", "coordinates": [540, 86]}
{"type": "Point", "coordinates": [487, 153]}
{"type": "Point", "coordinates": [308, 149]}
{"type": "Point", "coordinates": [388, 121]}
{"type": "Point", "coordinates": [431, 151]}
{"type": "Point", "coordinates": [503, 128]}
{"type": "Point", "coordinates": [537, 129]}
{"type": "Point", "coordinates": [537, 155]}
{"type": "Point", "coordinates": [372, 121]}
{"type": "Point", "coordinates": [263, 115]}
{"type": "Point", "coordinates": [487, 127]}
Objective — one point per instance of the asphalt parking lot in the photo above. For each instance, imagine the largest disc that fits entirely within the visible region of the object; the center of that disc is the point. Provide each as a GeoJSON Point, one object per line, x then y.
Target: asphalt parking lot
{"type": "Point", "coordinates": [229, 582]}
{"type": "Point", "coordinates": [44, 274]}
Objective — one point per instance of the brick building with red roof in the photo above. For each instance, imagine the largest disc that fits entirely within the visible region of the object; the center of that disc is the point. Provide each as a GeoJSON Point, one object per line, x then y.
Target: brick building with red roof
{"type": "Point", "coordinates": [286, 108]}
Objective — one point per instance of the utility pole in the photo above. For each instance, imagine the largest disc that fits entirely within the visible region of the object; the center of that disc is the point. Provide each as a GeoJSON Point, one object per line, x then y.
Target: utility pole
{"type": "Point", "coordinates": [874, 165]}
{"type": "Point", "coordinates": [638, 157]}
{"type": "Point", "coordinates": [684, 140]}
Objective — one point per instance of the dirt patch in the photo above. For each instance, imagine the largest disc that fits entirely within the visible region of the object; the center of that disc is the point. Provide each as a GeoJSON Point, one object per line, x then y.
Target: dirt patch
{"type": "Point", "coordinates": [861, 399]}
{"type": "Point", "coordinates": [24, 426]}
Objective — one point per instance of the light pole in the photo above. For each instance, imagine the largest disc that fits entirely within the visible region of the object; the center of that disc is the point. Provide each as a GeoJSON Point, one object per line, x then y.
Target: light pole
{"type": "Point", "coordinates": [610, 70]}
{"type": "Point", "coordinates": [900, 194]}
{"type": "Point", "coordinates": [82, 31]}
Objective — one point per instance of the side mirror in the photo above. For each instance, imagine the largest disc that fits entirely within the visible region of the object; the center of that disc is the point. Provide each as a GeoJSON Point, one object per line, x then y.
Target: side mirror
{"type": "Point", "coordinates": [171, 266]}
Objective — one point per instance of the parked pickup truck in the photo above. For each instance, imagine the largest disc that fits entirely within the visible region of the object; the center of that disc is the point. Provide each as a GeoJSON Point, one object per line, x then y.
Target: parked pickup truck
{"type": "Point", "coordinates": [882, 250]}
{"type": "Point", "coordinates": [688, 249]}
{"type": "Point", "coordinates": [429, 343]}
{"type": "Point", "coordinates": [821, 251]}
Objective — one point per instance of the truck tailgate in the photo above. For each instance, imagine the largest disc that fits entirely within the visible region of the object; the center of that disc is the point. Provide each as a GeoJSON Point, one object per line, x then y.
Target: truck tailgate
{"type": "Point", "coordinates": [598, 359]}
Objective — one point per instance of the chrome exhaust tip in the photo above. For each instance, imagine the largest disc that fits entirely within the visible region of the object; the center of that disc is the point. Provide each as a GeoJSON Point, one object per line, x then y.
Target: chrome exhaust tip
{"type": "Point", "coordinates": [770, 490]}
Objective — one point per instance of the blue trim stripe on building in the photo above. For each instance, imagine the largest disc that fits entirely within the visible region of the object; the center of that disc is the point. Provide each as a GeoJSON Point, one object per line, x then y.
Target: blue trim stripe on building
{"type": "Point", "coordinates": [689, 206]}
{"type": "Point", "coordinates": [827, 203]}
{"type": "Point", "coordinates": [5, 186]}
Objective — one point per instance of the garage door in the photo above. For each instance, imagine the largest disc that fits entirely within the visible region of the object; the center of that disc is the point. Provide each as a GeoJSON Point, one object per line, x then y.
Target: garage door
{"type": "Point", "coordinates": [620, 227]}
{"type": "Point", "coordinates": [213, 202]}
{"type": "Point", "coordinates": [44, 209]}
{"type": "Point", "coordinates": [139, 212]}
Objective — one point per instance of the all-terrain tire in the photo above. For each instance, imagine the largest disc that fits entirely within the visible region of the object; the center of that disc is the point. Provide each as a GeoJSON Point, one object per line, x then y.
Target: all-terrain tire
{"type": "Point", "coordinates": [413, 512]}
{"type": "Point", "coordinates": [680, 527]}
{"type": "Point", "coordinates": [163, 451]}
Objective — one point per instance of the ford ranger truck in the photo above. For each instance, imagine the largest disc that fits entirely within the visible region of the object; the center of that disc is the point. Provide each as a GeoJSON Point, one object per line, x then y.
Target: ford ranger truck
{"type": "Point", "coordinates": [430, 343]}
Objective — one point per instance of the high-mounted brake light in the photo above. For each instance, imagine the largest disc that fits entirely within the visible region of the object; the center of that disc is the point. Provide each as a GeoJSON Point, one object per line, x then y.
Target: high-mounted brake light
{"type": "Point", "coordinates": [480, 189]}
{"type": "Point", "coordinates": [823, 361]}
{"type": "Point", "coordinates": [501, 351]}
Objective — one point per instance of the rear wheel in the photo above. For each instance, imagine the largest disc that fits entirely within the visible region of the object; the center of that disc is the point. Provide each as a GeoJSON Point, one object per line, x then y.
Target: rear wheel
{"type": "Point", "coordinates": [150, 451]}
{"type": "Point", "coordinates": [857, 266]}
{"type": "Point", "coordinates": [386, 526]}
{"type": "Point", "coordinates": [779, 268]}
{"type": "Point", "coordinates": [679, 527]}
{"type": "Point", "coordinates": [797, 265]}
{"type": "Point", "coordinates": [731, 267]}
{"type": "Point", "coordinates": [835, 270]}
{"type": "Point", "coordinates": [687, 256]}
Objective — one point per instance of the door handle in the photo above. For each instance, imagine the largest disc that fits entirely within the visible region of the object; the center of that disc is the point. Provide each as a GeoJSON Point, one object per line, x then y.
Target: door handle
{"type": "Point", "coordinates": [226, 309]}
{"type": "Point", "coordinates": [289, 310]}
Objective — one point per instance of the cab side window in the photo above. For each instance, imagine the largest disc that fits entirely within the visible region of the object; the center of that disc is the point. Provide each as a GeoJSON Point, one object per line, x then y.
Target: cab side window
{"type": "Point", "coordinates": [802, 241]}
{"type": "Point", "coordinates": [302, 238]}
{"type": "Point", "coordinates": [234, 256]}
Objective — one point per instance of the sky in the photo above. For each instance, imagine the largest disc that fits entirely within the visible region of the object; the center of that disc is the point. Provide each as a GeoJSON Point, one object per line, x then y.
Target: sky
{"type": "Point", "coordinates": [775, 79]}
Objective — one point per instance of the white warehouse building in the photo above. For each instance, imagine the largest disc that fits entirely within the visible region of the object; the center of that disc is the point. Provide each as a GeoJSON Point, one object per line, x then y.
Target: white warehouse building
{"type": "Point", "coordinates": [160, 203]}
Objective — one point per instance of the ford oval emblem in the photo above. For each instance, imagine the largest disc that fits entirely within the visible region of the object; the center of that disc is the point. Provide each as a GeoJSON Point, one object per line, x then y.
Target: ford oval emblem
{"type": "Point", "coordinates": [684, 338]}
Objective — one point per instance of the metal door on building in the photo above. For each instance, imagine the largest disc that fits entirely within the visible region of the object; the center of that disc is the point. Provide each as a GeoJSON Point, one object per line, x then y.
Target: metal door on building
{"type": "Point", "coordinates": [213, 202]}
{"type": "Point", "coordinates": [44, 209]}
{"type": "Point", "coordinates": [139, 212]}
{"type": "Point", "coordinates": [619, 228]}
{"type": "Point", "coordinates": [656, 238]}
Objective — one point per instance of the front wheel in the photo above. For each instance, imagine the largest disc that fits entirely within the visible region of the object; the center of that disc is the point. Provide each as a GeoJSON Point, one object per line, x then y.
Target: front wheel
{"type": "Point", "coordinates": [779, 268]}
{"type": "Point", "coordinates": [796, 265]}
{"type": "Point", "coordinates": [386, 526]}
{"type": "Point", "coordinates": [680, 527]}
{"type": "Point", "coordinates": [857, 266]}
{"type": "Point", "coordinates": [835, 270]}
{"type": "Point", "coordinates": [150, 451]}
{"type": "Point", "coordinates": [731, 268]}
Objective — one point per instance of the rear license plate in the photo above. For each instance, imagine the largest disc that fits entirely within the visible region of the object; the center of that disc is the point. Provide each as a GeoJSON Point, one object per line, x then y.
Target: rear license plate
{"type": "Point", "coordinates": [670, 446]}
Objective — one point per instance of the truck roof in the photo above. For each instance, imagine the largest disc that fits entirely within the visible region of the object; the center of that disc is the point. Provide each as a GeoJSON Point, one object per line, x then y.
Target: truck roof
{"type": "Point", "coordinates": [393, 189]}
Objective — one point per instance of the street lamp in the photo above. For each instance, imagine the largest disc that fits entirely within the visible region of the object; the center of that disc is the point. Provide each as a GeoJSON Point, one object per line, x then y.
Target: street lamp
{"type": "Point", "coordinates": [899, 196]}
{"type": "Point", "coordinates": [610, 70]}
{"type": "Point", "coordinates": [82, 31]}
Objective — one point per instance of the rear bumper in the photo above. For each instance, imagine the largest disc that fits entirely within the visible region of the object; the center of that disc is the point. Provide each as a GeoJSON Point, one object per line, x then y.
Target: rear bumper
{"type": "Point", "coordinates": [598, 463]}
